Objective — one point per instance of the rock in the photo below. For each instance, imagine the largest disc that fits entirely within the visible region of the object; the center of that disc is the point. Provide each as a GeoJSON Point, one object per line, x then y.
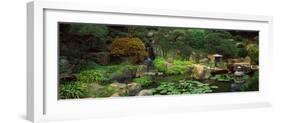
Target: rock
{"type": "Point", "coordinates": [235, 87]}
{"type": "Point", "coordinates": [141, 70]}
{"type": "Point", "coordinates": [115, 95]}
{"type": "Point", "coordinates": [145, 92]}
{"type": "Point", "coordinates": [204, 60]}
{"type": "Point", "coordinates": [133, 89]}
{"type": "Point", "coordinates": [200, 72]}
{"type": "Point", "coordinates": [150, 73]}
{"type": "Point", "coordinates": [99, 57]}
{"type": "Point", "coordinates": [65, 66]}
{"type": "Point", "coordinates": [118, 85]}
{"type": "Point", "coordinates": [67, 77]}
{"type": "Point", "coordinates": [124, 77]}
{"type": "Point", "coordinates": [94, 89]}
{"type": "Point", "coordinates": [120, 88]}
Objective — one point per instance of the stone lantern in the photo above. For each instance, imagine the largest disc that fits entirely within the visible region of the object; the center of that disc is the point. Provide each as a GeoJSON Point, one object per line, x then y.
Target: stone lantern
{"type": "Point", "coordinates": [217, 59]}
{"type": "Point", "coordinates": [238, 75]}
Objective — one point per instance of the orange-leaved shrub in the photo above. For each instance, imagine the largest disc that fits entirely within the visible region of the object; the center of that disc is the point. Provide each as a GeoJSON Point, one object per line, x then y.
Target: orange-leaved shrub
{"type": "Point", "coordinates": [128, 47]}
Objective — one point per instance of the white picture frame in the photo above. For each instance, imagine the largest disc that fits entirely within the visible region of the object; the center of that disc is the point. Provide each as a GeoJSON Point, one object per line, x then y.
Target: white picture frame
{"type": "Point", "coordinates": [42, 103]}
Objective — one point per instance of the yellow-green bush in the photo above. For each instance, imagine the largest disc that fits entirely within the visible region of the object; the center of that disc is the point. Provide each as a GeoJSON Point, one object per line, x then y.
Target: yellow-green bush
{"type": "Point", "coordinates": [172, 67]}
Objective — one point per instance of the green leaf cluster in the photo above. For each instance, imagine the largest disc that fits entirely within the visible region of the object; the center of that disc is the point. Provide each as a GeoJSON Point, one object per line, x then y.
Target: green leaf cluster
{"type": "Point", "coordinates": [183, 87]}
{"type": "Point", "coordinates": [72, 90]}
{"type": "Point", "coordinates": [173, 67]}
{"type": "Point", "coordinates": [144, 81]}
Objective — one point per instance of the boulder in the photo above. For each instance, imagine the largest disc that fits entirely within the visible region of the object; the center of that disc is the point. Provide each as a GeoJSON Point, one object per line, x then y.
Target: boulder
{"type": "Point", "coordinates": [200, 72]}
{"type": "Point", "coordinates": [65, 66]}
{"type": "Point", "coordinates": [145, 92]}
{"type": "Point", "coordinates": [118, 85]}
{"type": "Point", "coordinates": [235, 87]}
{"type": "Point", "coordinates": [67, 77]}
{"type": "Point", "coordinates": [133, 89]}
{"type": "Point", "coordinates": [115, 95]}
{"type": "Point", "coordinates": [120, 88]}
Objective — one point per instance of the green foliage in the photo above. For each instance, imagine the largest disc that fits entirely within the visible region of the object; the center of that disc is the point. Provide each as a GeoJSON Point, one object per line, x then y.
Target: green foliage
{"type": "Point", "coordinates": [242, 52]}
{"type": "Point", "coordinates": [173, 67]}
{"type": "Point", "coordinates": [216, 43]}
{"type": "Point", "coordinates": [183, 87]}
{"type": "Point", "coordinates": [253, 52]}
{"type": "Point", "coordinates": [238, 38]}
{"type": "Point", "coordinates": [173, 41]}
{"type": "Point", "coordinates": [179, 67]}
{"type": "Point", "coordinates": [197, 38]}
{"type": "Point", "coordinates": [144, 81]}
{"type": "Point", "coordinates": [223, 34]}
{"type": "Point", "coordinates": [100, 31]}
{"type": "Point", "coordinates": [72, 90]}
{"type": "Point", "coordinates": [103, 74]}
{"type": "Point", "coordinates": [252, 83]}
{"type": "Point", "coordinates": [160, 64]}
{"type": "Point", "coordinates": [139, 31]}
{"type": "Point", "coordinates": [92, 76]}
{"type": "Point", "coordinates": [228, 49]}
{"type": "Point", "coordinates": [97, 36]}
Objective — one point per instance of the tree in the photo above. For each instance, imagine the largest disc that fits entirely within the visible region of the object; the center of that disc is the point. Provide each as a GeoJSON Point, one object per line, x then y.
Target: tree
{"type": "Point", "coordinates": [242, 52]}
{"type": "Point", "coordinates": [173, 41]}
{"type": "Point", "coordinates": [98, 32]}
{"type": "Point", "coordinates": [216, 43]}
{"type": "Point", "coordinates": [197, 36]}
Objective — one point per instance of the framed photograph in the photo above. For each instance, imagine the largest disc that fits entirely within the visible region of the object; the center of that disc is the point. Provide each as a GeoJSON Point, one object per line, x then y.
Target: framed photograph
{"type": "Point", "coordinates": [87, 60]}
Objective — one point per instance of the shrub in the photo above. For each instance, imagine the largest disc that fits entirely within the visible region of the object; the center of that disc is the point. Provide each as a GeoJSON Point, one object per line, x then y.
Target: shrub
{"type": "Point", "coordinates": [253, 52]}
{"type": "Point", "coordinates": [104, 74]}
{"type": "Point", "coordinates": [72, 90]}
{"type": "Point", "coordinates": [144, 81]}
{"type": "Point", "coordinates": [252, 83]}
{"type": "Point", "coordinates": [129, 47]}
{"type": "Point", "coordinates": [242, 52]}
{"type": "Point", "coordinates": [216, 43]}
{"type": "Point", "coordinates": [179, 67]}
{"type": "Point", "coordinates": [173, 67]}
{"type": "Point", "coordinates": [99, 31]}
{"type": "Point", "coordinates": [92, 76]}
{"type": "Point", "coordinates": [160, 64]}
{"type": "Point", "coordinates": [197, 38]}
{"type": "Point", "coordinates": [183, 87]}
